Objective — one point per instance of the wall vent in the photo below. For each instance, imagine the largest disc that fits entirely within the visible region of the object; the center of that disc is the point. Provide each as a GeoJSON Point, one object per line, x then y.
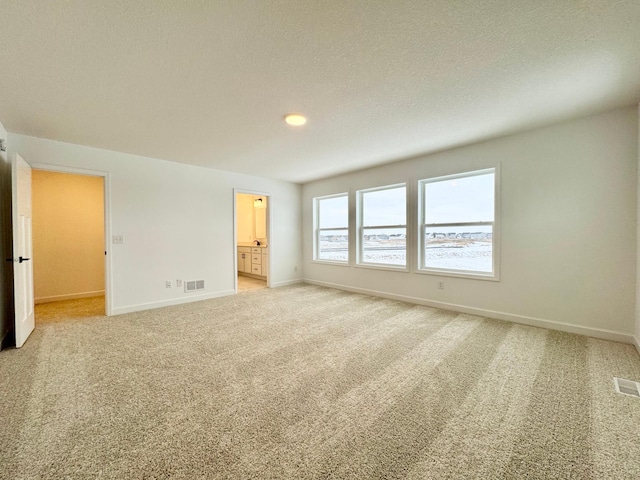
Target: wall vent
{"type": "Point", "coordinates": [193, 285]}
{"type": "Point", "coordinates": [627, 387]}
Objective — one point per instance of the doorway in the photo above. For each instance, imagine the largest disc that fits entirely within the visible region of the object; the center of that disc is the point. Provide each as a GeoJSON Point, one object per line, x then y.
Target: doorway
{"type": "Point", "coordinates": [68, 245]}
{"type": "Point", "coordinates": [251, 240]}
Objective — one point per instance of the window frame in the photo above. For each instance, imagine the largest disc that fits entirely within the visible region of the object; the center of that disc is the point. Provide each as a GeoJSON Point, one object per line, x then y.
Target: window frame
{"type": "Point", "coordinates": [494, 275]}
{"type": "Point", "coordinates": [317, 230]}
{"type": "Point", "coordinates": [360, 227]}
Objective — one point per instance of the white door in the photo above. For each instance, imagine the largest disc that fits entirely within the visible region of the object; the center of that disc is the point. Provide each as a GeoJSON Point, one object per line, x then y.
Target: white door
{"type": "Point", "coordinates": [22, 249]}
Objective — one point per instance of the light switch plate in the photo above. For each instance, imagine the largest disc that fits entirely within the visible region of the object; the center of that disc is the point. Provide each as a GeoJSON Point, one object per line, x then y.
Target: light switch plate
{"type": "Point", "coordinates": [118, 239]}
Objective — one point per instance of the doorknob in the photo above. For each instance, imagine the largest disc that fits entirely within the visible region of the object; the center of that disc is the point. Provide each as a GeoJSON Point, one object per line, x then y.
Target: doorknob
{"type": "Point", "coordinates": [22, 259]}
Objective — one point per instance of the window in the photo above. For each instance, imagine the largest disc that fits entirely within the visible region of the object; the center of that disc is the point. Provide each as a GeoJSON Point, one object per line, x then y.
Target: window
{"type": "Point", "coordinates": [382, 226]}
{"type": "Point", "coordinates": [331, 220]}
{"type": "Point", "coordinates": [458, 215]}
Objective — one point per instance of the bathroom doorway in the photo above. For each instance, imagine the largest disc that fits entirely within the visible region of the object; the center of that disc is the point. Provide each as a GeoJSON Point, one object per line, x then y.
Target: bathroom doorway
{"type": "Point", "coordinates": [251, 233]}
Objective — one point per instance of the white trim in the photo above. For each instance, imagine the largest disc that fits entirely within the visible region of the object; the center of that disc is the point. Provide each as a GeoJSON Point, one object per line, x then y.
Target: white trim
{"type": "Point", "coordinates": [168, 303]}
{"type": "Point", "coordinates": [108, 263]}
{"type": "Point", "coordinates": [287, 282]}
{"type": "Point", "coordinates": [316, 229]}
{"type": "Point", "coordinates": [509, 317]}
{"type": "Point", "coordinates": [331, 262]}
{"type": "Point", "coordinates": [360, 227]}
{"type": "Point", "coordinates": [636, 342]}
{"type": "Point", "coordinates": [69, 296]}
{"type": "Point", "coordinates": [383, 266]}
{"type": "Point", "coordinates": [63, 169]}
{"type": "Point", "coordinates": [452, 273]}
{"type": "Point", "coordinates": [495, 237]}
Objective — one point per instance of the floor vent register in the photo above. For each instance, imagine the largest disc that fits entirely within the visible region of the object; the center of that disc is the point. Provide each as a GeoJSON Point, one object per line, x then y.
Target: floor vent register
{"type": "Point", "coordinates": [193, 285]}
{"type": "Point", "coordinates": [627, 387]}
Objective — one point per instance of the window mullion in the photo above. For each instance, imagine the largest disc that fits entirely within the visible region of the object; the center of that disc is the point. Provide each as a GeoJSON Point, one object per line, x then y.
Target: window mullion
{"type": "Point", "coordinates": [381, 227]}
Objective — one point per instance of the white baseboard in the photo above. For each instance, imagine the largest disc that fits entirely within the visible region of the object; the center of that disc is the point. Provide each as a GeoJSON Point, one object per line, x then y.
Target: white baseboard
{"type": "Point", "coordinates": [636, 342]}
{"type": "Point", "coordinates": [169, 303]}
{"type": "Point", "coordinates": [70, 296]}
{"type": "Point", "coordinates": [285, 283]}
{"type": "Point", "coordinates": [509, 317]}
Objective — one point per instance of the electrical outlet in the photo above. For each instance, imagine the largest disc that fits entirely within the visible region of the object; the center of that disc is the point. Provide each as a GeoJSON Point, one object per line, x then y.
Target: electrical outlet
{"type": "Point", "coordinates": [178, 283]}
{"type": "Point", "coordinates": [168, 283]}
{"type": "Point", "coordinates": [441, 285]}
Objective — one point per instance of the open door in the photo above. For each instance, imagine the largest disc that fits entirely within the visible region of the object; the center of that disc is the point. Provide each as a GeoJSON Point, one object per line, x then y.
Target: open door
{"type": "Point", "coordinates": [22, 249]}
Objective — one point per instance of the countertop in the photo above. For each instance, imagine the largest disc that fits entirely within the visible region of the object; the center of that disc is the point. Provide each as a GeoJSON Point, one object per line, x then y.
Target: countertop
{"type": "Point", "coordinates": [251, 244]}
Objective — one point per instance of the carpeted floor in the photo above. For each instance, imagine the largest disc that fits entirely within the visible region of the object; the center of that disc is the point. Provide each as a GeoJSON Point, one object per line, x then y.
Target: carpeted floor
{"type": "Point", "coordinates": [70, 309]}
{"type": "Point", "coordinates": [304, 382]}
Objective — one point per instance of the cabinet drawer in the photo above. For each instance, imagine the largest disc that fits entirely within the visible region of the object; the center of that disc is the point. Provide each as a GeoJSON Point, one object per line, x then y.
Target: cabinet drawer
{"type": "Point", "coordinates": [256, 250]}
{"type": "Point", "coordinates": [255, 258]}
{"type": "Point", "coordinates": [244, 249]}
{"type": "Point", "coordinates": [257, 269]}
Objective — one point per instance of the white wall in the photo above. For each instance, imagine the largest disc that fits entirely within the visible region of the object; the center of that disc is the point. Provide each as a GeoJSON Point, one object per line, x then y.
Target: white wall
{"type": "Point", "coordinates": [568, 227]}
{"type": "Point", "coordinates": [177, 222]}
{"type": "Point", "coordinates": [637, 330]}
{"type": "Point", "coordinates": [68, 235]}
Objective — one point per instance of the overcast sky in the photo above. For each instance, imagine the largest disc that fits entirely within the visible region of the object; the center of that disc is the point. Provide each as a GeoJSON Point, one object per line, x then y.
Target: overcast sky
{"type": "Point", "coordinates": [468, 199]}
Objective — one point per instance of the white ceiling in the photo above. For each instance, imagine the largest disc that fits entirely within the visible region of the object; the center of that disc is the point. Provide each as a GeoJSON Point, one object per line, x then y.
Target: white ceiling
{"type": "Point", "coordinates": [208, 82]}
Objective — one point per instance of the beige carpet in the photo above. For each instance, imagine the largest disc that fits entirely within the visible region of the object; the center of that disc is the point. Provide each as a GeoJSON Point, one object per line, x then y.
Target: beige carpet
{"type": "Point", "coordinates": [305, 382]}
{"type": "Point", "coordinates": [70, 309]}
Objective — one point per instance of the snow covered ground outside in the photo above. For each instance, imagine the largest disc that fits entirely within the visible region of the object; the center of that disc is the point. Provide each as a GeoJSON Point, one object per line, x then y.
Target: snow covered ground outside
{"type": "Point", "coordinates": [474, 256]}
{"type": "Point", "coordinates": [469, 255]}
{"type": "Point", "coordinates": [334, 251]}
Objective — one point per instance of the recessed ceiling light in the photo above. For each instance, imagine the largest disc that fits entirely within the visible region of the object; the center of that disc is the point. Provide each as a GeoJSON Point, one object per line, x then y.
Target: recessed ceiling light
{"type": "Point", "coordinates": [295, 119]}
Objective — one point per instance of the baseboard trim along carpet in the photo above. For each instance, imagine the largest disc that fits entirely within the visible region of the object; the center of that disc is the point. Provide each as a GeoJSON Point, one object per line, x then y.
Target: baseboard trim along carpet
{"type": "Point", "coordinates": [286, 283]}
{"type": "Point", "coordinates": [170, 303]}
{"type": "Point", "coordinates": [509, 317]}
{"type": "Point", "coordinates": [69, 296]}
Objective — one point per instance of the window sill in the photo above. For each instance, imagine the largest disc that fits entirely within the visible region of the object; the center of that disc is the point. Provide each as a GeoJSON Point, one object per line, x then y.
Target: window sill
{"type": "Point", "coordinates": [329, 262]}
{"type": "Point", "coordinates": [458, 274]}
{"type": "Point", "coordinates": [376, 266]}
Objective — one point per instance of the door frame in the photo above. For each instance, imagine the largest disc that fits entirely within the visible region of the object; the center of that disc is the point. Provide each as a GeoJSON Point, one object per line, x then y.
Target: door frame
{"type": "Point", "coordinates": [237, 191]}
{"type": "Point", "coordinates": [108, 287]}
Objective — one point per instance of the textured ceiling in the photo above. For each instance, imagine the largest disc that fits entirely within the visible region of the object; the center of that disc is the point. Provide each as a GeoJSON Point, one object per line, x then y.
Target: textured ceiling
{"type": "Point", "coordinates": [208, 82]}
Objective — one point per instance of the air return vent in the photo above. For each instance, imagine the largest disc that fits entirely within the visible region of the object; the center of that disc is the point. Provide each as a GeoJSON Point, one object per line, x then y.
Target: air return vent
{"type": "Point", "coordinates": [627, 387]}
{"type": "Point", "coordinates": [193, 285]}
